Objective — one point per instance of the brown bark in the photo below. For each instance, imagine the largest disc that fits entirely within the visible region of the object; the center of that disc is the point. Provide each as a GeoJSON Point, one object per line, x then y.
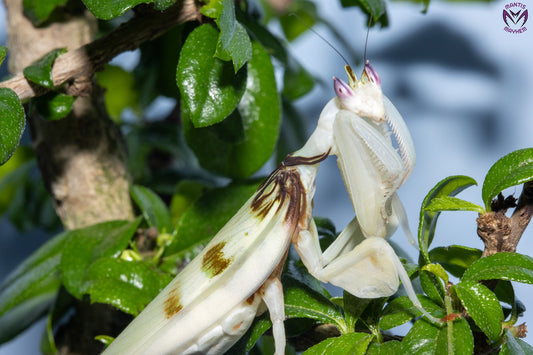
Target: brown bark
{"type": "Point", "coordinates": [501, 233]}
{"type": "Point", "coordinates": [82, 157]}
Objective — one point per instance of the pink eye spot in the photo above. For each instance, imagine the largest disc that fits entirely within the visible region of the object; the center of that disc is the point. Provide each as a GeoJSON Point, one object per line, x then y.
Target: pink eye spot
{"type": "Point", "coordinates": [372, 73]}
{"type": "Point", "coordinates": [341, 88]}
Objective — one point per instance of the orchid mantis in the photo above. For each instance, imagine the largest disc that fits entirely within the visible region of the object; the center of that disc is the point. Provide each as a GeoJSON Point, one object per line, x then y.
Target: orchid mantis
{"type": "Point", "coordinates": [212, 302]}
{"type": "Point", "coordinates": [372, 170]}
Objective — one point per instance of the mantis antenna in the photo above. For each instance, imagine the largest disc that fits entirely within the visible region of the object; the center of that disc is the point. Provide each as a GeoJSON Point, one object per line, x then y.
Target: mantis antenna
{"type": "Point", "coordinates": [366, 40]}
{"type": "Point", "coordinates": [321, 37]}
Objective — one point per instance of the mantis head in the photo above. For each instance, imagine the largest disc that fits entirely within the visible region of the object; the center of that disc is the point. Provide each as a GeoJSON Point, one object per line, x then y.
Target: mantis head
{"type": "Point", "coordinates": [362, 97]}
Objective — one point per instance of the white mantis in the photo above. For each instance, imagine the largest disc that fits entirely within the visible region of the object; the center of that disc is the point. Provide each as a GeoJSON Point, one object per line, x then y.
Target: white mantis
{"type": "Point", "coordinates": [212, 302]}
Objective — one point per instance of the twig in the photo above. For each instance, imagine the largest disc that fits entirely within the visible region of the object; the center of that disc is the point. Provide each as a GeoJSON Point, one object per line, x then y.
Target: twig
{"type": "Point", "coordinates": [78, 66]}
{"type": "Point", "coordinates": [501, 233]}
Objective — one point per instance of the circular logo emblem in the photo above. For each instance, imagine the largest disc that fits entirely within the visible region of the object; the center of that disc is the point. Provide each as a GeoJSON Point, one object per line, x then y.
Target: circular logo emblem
{"type": "Point", "coordinates": [515, 17]}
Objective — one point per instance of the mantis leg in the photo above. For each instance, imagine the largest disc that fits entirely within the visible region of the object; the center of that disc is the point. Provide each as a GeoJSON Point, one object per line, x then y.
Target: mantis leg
{"type": "Point", "coordinates": [272, 293]}
{"type": "Point", "coordinates": [370, 270]}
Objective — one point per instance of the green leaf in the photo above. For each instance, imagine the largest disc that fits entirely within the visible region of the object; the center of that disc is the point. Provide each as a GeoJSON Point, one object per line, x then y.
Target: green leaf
{"type": "Point", "coordinates": [233, 42]}
{"type": "Point", "coordinates": [241, 144]}
{"type": "Point", "coordinates": [421, 339]}
{"type": "Point", "coordinates": [353, 308]}
{"type": "Point", "coordinates": [401, 310]}
{"type": "Point", "coordinates": [374, 8]}
{"type": "Point", "coordinates": [120, 90]}
{"type": "Point", "coordinates": [449, 203]}
{"type": "Point", "coordinates": [107, 10]}
{"type": "Point", "coordinates": [205, 216]}
{"type": "Point", "coordinates": [515, 346]}
{"type": "Point", "coordinates": [12, 121]}
{"type": "Point", "coordinates": [3, 52]}
{"type": "Point", "coordinates": [238, 50]}
{"type": "Point", "coordinates": [483, 306]}
{"type": "Point", "coordinates": [38, 11]}
{"type": "Point", "coordinates": [449, 186]}
{"type": "Point", "coordinates": [40, 72]}
{"type": "Point", "coordinates": [209, 88]}
{"type": "Point", "coordinates": [13, 174]}
{"type": "Point", "coordinates": [187, 191]}
{"type": "Point", "coordinates": [303, 302]}
{"type": "Point", "coordinates": [387, 348]}
{"type": "Point", "coordinates": [432, 286]}
{"type": "Point", "coordinates": [260, 325]}
{"type": "Point", "coordinates": [502, 266]}
{"type": "Point", "coordinates": [437, 270]}
{"type": "Point", "coordinates": [127, 285]}
{"type": "Point", "coordinates": [297, 81]}
{"type": "Point", "coordinates": [154, 210]}
{"type": "Point", "coordinates": [513, 169]}
{"type": "Point", "coordinates": [455, 258]}
{"type": "Point", "coordinates": [300, 16]}
{"type": "Point", "coordinates": [350, 343]}
{"type": "Point", "coordinates": [85, 246]}
{"type": "Point", "coordinates": [53, 105]}
{"type": "Point", "coordinates": [30, 289]}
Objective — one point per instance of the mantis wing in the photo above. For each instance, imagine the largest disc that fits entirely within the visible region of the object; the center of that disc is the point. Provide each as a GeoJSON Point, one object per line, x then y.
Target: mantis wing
{"type": "Point", "coordinates": [227, 273]}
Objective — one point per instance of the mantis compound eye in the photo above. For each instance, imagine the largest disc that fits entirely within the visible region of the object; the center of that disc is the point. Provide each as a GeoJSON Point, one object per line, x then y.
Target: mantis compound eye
{"type": "Point", "coordinates": [342, 90]}
{"type": "Point", "coordinates": [371, 74]}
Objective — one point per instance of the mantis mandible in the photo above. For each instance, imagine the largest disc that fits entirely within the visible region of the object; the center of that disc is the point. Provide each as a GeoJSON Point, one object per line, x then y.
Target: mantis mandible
{"type": "Point", "coordinates": [208, 306]}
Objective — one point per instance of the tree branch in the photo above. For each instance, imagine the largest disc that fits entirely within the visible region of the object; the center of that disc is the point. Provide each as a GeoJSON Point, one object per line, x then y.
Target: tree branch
{"type": "Point", "coordinates": [501, 233]}
{"type": "Point", "coordinates": [77, 67]}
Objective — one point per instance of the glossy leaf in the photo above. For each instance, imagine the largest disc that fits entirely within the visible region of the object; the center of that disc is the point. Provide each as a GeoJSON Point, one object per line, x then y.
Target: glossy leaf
{"type": "Point", "coordinates": [209, 88]}
{"type": "Point", "coordinates": [107, 10]}
{"type": "Point", "coordinates": [387, 348]}
{"type": "Point", "coordinates": [401, 310]}
{"type": "Point", "coordinates": [483, 306]}
{"type": "Point", "coordinates": [205, 216]}
{"type": "Point", "coordinates": [85, 246]}
{"type": "Point", "coordinates": [40, 72]}
{"type": "Point", "coordinates": [432, 286]}
{"type": "Point", "coordinates": [303, 302]}
{"type": "Point", "coordinates": [154, 210]}
{"type": "Point", "coordinates": [233, 42]}
{"type": "Point", "coordinates": [425, 338]}
{"type": "Point", "coordinates": [515, 346]}
{"type": "Point", "coordinates": [238, 50]}
{"type": "Point", "coordinates": [12, 121]}
{"type": "Point", "coordinates": [502, 266]}
{"type": "Point", "coordinates": [127, 285]}
{"type": "Point", "coordinates": [39, 10]}
{"type": "Point", "coordinates": [449, 186]}
{"type": "Point", "coordinates": [350, 343]}
{"type": "Point", "coordinates": [353, 308]}
{"type": "Point", "coordinates": [513, 169]}
{"type": "Point", "coordinates": [241, 144]}
{"type": "Point", "coordinates": [53, 105]}
{"type": "Point", "coordinates": [455, 258]}
{"type": "Point", "coordinates": [449, 203]}
{"type": "Point", "coordinates": [28, 291]}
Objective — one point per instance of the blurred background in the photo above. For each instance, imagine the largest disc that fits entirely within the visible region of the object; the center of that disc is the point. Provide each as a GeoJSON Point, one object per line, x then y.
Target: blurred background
{"type": "Point", "coordinates": [463, 85]}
